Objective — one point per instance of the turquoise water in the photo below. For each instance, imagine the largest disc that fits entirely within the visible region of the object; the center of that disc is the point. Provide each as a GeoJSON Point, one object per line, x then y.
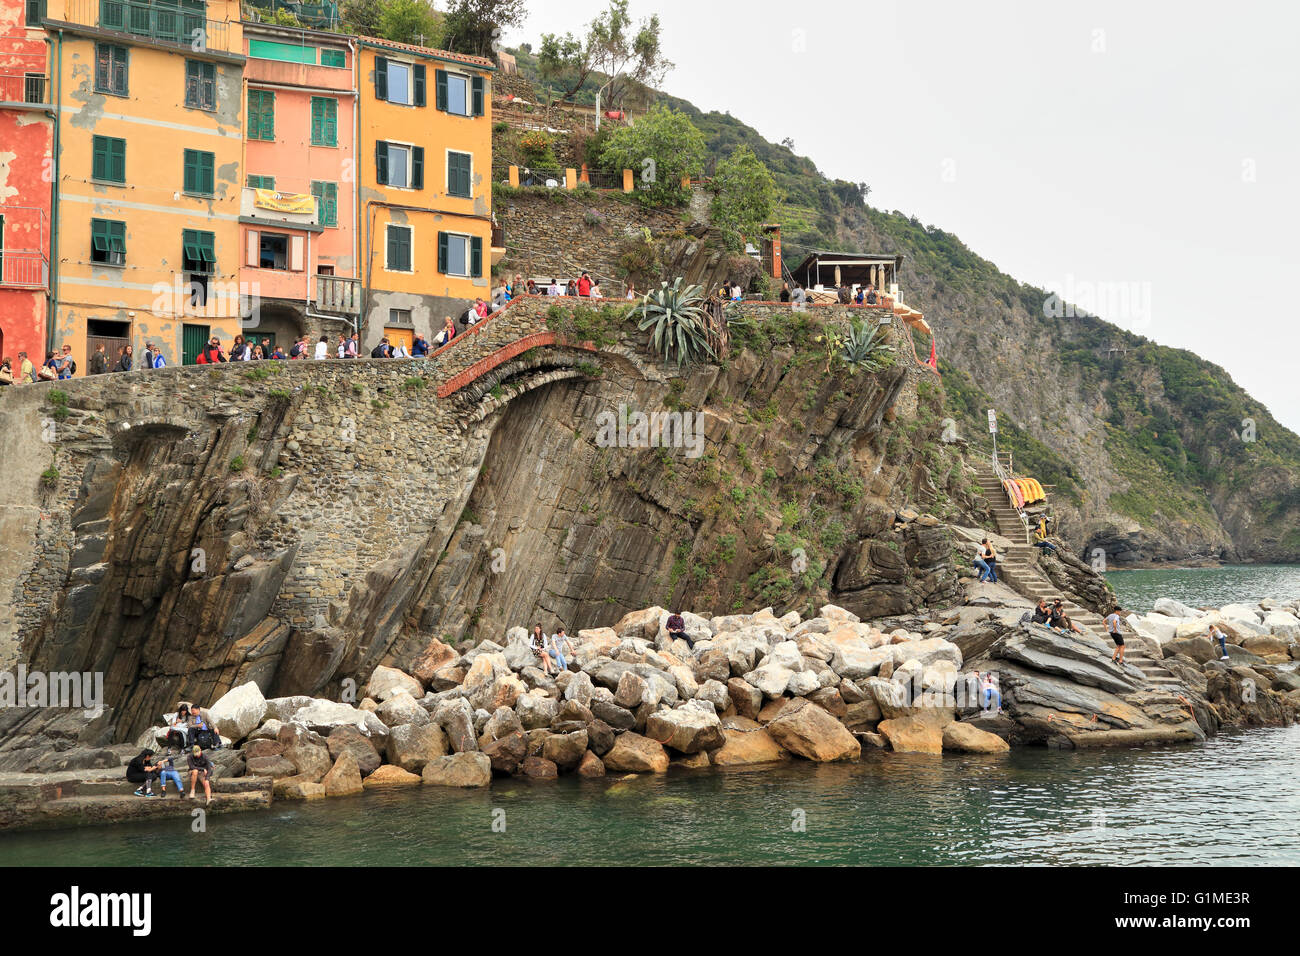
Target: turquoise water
{"type": "Point", "coordinates": [1233, 800]}
{"type": "Point", "coordinates": [1206, 587]}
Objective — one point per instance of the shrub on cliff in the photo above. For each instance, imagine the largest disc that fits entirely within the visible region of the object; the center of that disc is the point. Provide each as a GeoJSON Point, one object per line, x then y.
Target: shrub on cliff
{"type": "Point", "coordinates": [661, 149]}
{"type": "Point", "coordinates": [745, 196]}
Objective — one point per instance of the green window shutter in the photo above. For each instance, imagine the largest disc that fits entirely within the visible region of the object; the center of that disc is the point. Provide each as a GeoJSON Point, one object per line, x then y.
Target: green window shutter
{"type": "Point", "coordinates": [419, 74]}
{"type": "Point", "coordinates": [417, 167]}
{"type": "Point", "coordinates": [117, 237]}
{"type": "Point", "coordinates": [261, 182]}
{"type": "Point", "coordinates": [99, 158]}
{"type": "Point", "coordinates": [476, 257]}
{"type": "Point", "coordinates": [324, 121]}
{"type": "Point", "coordinates": [381, 77]}
{"type": "Point", "coordinates": [108, 159]}
{"type": "Point", "coordinates": [261, 115]}
{"type": "Point", "coordinates": [381, 163]}
{"type": "Point", "coordinates": [99, 235]}
{"type": "Point", "coordinates": [199, 172]}
{"type": "Point", "coordinates": [399, 249]}
{"type": "Point", "coordinates": [478, 97]}
{"type": "Point", "coordinates": [458, 174]}
{"type": "Point", "coordinates": [440, 81]}
{"type": "Point", "coordinates": [328, 197]}
{"type": "Point", "coordinates": [334, 58]}
{"type": "Point", "coordinates": [117, 166]}
{"type": "Point", "coordinates": [208, 250]}
{"type": "Point", "coordinates": [443, 242]}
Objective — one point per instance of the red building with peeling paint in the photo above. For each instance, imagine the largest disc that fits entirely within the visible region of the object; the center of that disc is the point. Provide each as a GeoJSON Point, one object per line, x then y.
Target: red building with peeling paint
{"type": "Point", "coordinates": [26, 130]}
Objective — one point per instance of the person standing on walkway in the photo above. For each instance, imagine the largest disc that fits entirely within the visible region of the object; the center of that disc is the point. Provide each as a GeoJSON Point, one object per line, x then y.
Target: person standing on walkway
{"type": "Point", "coordinates": [99, 361]}
{"type": "Point", "coordinates": [1113, 625]}
{"type": "Point", "coordinates": [990, 558]}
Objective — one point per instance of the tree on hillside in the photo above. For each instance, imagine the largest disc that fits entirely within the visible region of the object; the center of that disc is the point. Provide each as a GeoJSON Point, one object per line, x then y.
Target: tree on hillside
{"type": "Point", "coordinates": [663, 147]}
{"type": "Point", "coordinates": [745, 197]}
{"type": "Point", "coordinates": [363, 16]}
{"type": "Point", "coordinates": [613, 47]}
{"type": "Point", "coordinates": [411, 21]}
{"type": "Point", "coordinates": [474, 26]}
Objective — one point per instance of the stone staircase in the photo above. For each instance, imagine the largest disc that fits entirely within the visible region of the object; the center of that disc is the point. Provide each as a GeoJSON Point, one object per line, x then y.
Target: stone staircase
{"type": "Point", "coordinates": [1018, 567]}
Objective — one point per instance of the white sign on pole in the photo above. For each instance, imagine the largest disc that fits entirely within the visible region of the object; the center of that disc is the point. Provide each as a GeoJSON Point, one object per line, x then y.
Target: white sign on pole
{"type": "Point", "coordinates": [993, 422]}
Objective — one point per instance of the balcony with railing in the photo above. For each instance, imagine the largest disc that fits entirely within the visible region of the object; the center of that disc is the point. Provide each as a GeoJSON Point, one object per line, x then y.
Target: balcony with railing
{"type": "Point", "coordinates": [338, 294]}
{"type": "Point", "coordinates": [24, 261]}
{"type": "Point", "coordinates": [185, 23]}
{"type": "Point", "coordinates": [28, 89]}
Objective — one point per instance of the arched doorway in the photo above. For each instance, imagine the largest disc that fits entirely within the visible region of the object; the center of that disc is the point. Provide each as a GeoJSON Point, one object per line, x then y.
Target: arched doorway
{"type": "Point", "coordinates": [277, 323]}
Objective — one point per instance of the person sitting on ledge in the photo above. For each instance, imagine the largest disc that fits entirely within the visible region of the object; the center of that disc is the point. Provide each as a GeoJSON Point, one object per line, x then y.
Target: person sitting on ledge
{"type": "Point", "coordinates": [677, 629]}
{"type": "Point", "coordinates": [1060, 621]}
{"type": "Point", "coordinates": [167, 768]}
{"type": "Point", "coordinates": [178, 733]}
{"type": "Point", "coordinates": [1042, 613]}
{"type": "Point", "coordinates": [201, 768]}
{"type": "Point", "coordinates": [144, 771]}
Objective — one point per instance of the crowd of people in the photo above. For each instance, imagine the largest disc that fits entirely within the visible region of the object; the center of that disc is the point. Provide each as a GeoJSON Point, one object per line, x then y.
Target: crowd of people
{"type": "Point", "coordinates": [844, 295]}
{"type": "Point", "coordinates": [190, 732]}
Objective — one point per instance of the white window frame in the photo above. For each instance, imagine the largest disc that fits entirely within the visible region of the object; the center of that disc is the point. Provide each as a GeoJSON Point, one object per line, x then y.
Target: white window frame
{"type": "Point", "coordinates": [409, 66]}
{"type": "Point", "coordinates": [469, 252]}
{"type": "Point", "coordinates": [469, 93]}
{"type": "Point", "coordinates": [409, 228]}
{"type": "Point", "coordinates": [410, 165]}
{"type": "Point", "coordinates": [446, 166]}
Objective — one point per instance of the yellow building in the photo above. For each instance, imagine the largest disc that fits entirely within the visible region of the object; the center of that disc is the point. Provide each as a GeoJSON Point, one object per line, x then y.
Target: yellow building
{"type": "Point", "coordinates": [147, 158]}
{"type": "Point", "coordinates": [425, 204]}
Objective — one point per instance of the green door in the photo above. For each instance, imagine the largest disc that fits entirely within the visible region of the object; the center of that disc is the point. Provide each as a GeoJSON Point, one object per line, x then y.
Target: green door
{"type": "Point", "coordinates": [255, 338]}
{"type": "Point", "coordinates": [194, 339]}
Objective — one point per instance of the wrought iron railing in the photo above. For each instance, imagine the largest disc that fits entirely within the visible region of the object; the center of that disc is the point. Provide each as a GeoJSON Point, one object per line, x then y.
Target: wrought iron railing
{"type": "Point", "coordinates": [185, 23]}
{"type": "Point", "coordinates": [24, 270]}
{"type": "Point", "coordinates": [22, 88]}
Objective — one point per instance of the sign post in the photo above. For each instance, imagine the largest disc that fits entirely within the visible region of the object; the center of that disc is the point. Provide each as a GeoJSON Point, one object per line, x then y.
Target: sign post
{"type": "Point", "coordinates": [993, 430]}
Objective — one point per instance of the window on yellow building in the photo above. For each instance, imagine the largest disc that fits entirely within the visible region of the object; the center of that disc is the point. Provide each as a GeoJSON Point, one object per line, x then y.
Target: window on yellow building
{"type": "Point", "coordinates": [200, 85]}
{"type": "Point", "coordinates": [199, 172]}
{"type": "Point", "coordinates": [397, 256]}
{"type": "Point", "coordinates": [459, 94]}
{"type": "Point", "coordinates": [400, 165]}
{"type": "Point", "coordinates": [108, 242]}
{"type": "Point", "coordinates": [399, 82]}
{"type": "Point", "coordinates": [324, 121]}
{"type": "Point", "coordinates": [460, 171]}
{"type": "Point", "coordinates": [111, 69]}
{"type": "Point", "coordinates": [460, 255]}
{"type": "Point", "coordinates": [260, 182]}
{"type": "Point", "coordinates": [261, 115]}
{"type": "Point", "coordinates": [108, 159]}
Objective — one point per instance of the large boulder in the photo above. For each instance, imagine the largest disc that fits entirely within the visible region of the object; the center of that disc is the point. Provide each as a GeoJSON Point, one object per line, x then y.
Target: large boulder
{"type": "Point", "coordinates": [307, 751]}
{"type": "Point", "coordinates": [433, 659]}
{"type": "Point", "coordinates": [271, 765]}
{"type": "Point", "coordinates": [390, 776]}
{"type": "Point", "coordinates": [633, 753]}
{"type": "Point", "coordinates": [412, 746]}
{"type": "Point", "coordinates": [283, 708]}
{"type": "Point", "coordinates": [716, 694]}
{"type": "Point", "coordinates": [344, 778]}
{"type": "Point", "coordinates": [347, 739]}
{"type": "Point", "coordinates": [745, 697]}
{"type": "Point", "coordinates": [508, 752]}
{"type": "Point", "coordinates": [689, 729]}
{"type": "Point", "coordinates": [810, 732]}
{"type": "Point", "coordinates": [965, 738]}
{"type": "Point", "coordinates": [401, 708]}
{"type": "Point", "coordinates": [746, 743]}
{"type": "Point", "coordinates": [913, 734]}
{"type": "Point", "coordinates": [565, 750]}
{"type": "Point", "coordinates": [642, 624]}
{"type": "Point", "coordinates": [1172, 608]}
{"type": "Point", "coordinates": [322, 716]}
{"type": "Point", "coordinates": [459, 770]}
{"type": "Point", "coordinates": [591, 766]}
{"type": "Point", "coordinates": [1283, 624]}
{"type": "Point", "coordinates": [631, 690]}
{"type": "Point", "coordinates": [456, 718]}
{"type": "Point", "coordinates": [771, 679]}
{"type": "Point", "coordinates": [536, 711]}
{"type": "Point", "coordinates": [239, 712]}
{"type": "Point", "coordinates": [386, 681]}
{"type": "Point", "coordinates": [620, 718]}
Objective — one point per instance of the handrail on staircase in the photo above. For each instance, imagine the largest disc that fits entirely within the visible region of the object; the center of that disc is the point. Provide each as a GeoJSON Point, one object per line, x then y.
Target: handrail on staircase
{"type": "Point", "coordinates": [1004, 475]}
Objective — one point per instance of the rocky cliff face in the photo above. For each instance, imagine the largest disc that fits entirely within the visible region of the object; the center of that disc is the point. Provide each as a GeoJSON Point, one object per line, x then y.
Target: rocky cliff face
{"type": "Point", "coordinates": [297, 524]}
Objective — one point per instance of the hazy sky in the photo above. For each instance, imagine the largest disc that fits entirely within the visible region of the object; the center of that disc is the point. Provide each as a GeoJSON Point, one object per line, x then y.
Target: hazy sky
{"type": "Point", "coordinates": [1146, 154]}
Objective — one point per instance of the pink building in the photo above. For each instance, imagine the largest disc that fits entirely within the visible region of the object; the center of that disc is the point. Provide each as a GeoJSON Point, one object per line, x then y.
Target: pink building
{"type": "Point", "coordinates": [26, 175]}
{"type": "Point", "coordinates": [298, 209]}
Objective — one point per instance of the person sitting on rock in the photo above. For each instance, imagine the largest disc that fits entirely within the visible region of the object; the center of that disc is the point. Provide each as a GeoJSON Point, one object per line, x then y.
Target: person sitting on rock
{"type": "Point", "coordinates": [537, 641]}
{"type": "Point", "coordinates": [203, 731]}
{"type": "Point", "coordinates": [1060, 621]}
{"type": "Point", "coordinates": [144, 771]}
{"type": "Point", "coordinates": [558, 647]}
{"type": "Point", "coordinates": [990, 559]}
{"type": "Point", "coordinates": [677, 629]}
{"type": "Point", "coordinates": [1042, 613]}
{"type": "Point", "coordinates": [201, 769]}
{"type": "Point", "coordinates": [167, 770]}
{"type": "Point", "coordinates": [178, 737]}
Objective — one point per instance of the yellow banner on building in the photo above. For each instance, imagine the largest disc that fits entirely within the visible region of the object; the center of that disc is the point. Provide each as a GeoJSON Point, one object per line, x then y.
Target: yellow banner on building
{"type": "Point", "coordinates": [296, 203]}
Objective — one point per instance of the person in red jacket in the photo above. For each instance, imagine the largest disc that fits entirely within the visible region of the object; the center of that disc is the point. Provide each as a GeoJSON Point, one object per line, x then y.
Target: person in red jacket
{"type": "Point", "coordinates": [584, 285]}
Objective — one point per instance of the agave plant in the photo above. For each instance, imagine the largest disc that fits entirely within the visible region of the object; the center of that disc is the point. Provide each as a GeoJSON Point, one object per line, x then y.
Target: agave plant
{"type": "Point", "coordinates": [864, 348]}
{"type": "Point", "coordinates": [679, 320]}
